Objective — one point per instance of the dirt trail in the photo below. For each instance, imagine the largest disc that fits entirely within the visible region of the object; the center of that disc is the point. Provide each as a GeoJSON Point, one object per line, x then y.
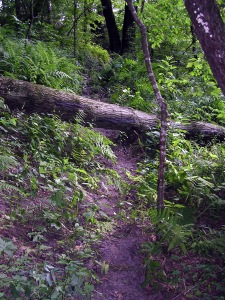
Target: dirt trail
{"type": "Point", "coordinates": [120, 249]}
{"type": "Point", "coordinates": [126, 272]}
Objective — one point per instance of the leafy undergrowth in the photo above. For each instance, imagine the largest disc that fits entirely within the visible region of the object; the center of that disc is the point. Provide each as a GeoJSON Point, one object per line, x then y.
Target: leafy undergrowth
{"type": "Point", "coordinates": [186, 252]}
{"type": "Point", "coordinates": [73, 221]}
{"type": "Point", "coordinates": [48, 169]}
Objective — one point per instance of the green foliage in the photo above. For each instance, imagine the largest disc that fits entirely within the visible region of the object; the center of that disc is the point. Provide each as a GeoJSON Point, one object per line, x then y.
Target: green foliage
{"type": "Point", "coordinates": [48, 166]}
{"type": "Point", "coordinates": [42, 155]}
{"type": "Point", "coordinates": [134, 101]}
{"type": "Point", "coordinates": [201, 280]}
{"type": "Point", "coordinates": [201, 73]}
{"type": "Point", "coordinates": [208, 241]}
{"type": "Point", "coordinates": [170, 233]}
{"type": "Point", "coordinates": [7, 248]}
{"type": "Point", "coordinates": [61, 148]}
{"type": "Point", "coordinates": [93, 56]}
{"type": "Point", "coordinates": [195, 188]}
{"type": "Point", "coordinates": [161, 14]}
{"type": "Point", "coordinates": [173, 236]}
{"type": "Point", "coordinates": [153, 274]}
{"type": "Point", "coordinates": [67, 279]}
{"type": "Point", "coordinates": [39, 63]}
{"type": "Point", "coordinates": [194, 171]}
{"type": "Point", "coordinates": [7, 162]}
{"type": "Point", "coordinates": [127, 83]}
{"type": "Point", "coordinates": [192, 221]}
{"type": "Point", "coordinates": [168, 80]}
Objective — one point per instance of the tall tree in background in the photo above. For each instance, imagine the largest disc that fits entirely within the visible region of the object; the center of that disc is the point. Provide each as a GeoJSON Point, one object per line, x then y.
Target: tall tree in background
{"type": "Point", "coordinates": [114, 36]}
{"type": "Point", "coordinates": [22, 10]}
{"type": "Point", "coordinates": [31, 19]}
{"type": "Point", "coordinates": [128, 32]}
{"type": "Point", "coordinates": [28, 10]}
{"type": "Point", "coordinates": [210, 31]}
{"type": "Point", "coordinates": [74, 27]}
{"type": "Point", "coordinates": [117, 44]}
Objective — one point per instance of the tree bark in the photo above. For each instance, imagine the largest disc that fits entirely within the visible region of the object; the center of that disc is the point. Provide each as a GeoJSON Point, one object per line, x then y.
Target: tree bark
{"type": "Point", "coordinates": [75, 3]}
{"type": "Point", "coordinates": [49, 11]}
{"type": "Point", "coordinates": [40, 99]}
{"type": "Point", "coordinates": [31, 23]}
{"type": "Point", "coordinates": [210, 30]}
{"type": "Point", "coordinates": [114, 36]}
{"type": "Point", "coordinates": [128, 33]}
{"type": "Point", "coordinates": [22, 10]}
{"type": "Point", "coordinates": [194, 40]}
{"type": "Point", "coordinates": [40, 8]}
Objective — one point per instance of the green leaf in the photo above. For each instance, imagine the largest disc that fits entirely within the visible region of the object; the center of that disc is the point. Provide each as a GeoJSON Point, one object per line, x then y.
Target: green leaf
{"type": "Point", "coordinates": [7, 247]}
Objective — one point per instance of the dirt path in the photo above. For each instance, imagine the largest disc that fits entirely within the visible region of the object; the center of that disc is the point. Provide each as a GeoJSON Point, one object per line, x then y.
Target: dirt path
{"type": "Point", "coordinates": [126, 272]}
{"type": "Point", "coordinates": [120, 249]}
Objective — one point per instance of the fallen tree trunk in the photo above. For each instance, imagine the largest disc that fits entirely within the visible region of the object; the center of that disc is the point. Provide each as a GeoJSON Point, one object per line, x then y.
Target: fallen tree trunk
{"type": "Point", "coordinates": [40, 99]}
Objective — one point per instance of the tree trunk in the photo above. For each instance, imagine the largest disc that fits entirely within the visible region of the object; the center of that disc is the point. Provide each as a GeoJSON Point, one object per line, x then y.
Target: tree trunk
{"type": "Point", "coordinates": [128, 33]}
{"type": "Point", "coordinates": [39, 8]}
{"type": "Point", "coordinates": [75, 28]}
{"type": "Point", "coordinates": [31, 20]}
{"type": "Point", "coordinates": [210, 30]}
{"type": "Point", "coordinates": [22, 10]}
{"type": "Point", "coordinates": [194, 40]}
{"type": "Point", "coordinates": [114, 36]}
{"type": "Point", "coordinates": [49, 11]}
{"type": "Point", "coordinates": [40, 99]}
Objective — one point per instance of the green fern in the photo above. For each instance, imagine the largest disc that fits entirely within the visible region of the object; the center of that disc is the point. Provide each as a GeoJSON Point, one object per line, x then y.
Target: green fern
{"type": "Point", "coordinates": [7, 247]}
{"type": "Point", "coordinates": [80, 117]}
{"type": "Point", "coordinates": [7, 161]}
{"type": "Point", "coordinates": [40, 64]}
{"type": "Point", "coordinates": [208, 241]}
{"type": "Point", "coordinates": [170, 232]}
{"type": "Point", "coordinates": [106, 151]}
{"type": "Point", "coordinates": [8, 187]}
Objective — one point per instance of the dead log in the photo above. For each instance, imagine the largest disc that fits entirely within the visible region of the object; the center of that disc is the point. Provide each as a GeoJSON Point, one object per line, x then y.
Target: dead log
{"type": "Point", "coordinates": [40, 99]}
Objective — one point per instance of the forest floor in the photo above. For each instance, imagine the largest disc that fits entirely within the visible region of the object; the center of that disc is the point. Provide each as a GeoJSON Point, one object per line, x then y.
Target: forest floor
{"type": "Point", "coordinates": [120, 248]}
{"type": "Point", "coordinates": [105, 239]}
{"type": "Point", "coordinates": [52, 247]}
{"type": "Point", "coordinates": [120, 264]}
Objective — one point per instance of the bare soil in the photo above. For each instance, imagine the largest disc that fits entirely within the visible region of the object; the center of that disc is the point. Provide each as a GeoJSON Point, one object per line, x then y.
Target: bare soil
{"type": "Point", "coordinates": [126, 271]}
{"type": "Point", "coordinates": [120, 249]}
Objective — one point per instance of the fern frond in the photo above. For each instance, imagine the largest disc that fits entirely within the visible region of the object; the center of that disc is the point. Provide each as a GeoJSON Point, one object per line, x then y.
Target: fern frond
{"type": "Point", "coordinates": [38, 63]}
{"type": "Point", "coordinates": [153, 214]}
{"type": "Point", "coordinates": [61, 75]}
{"type": "Point", "coordinates": [80, 117]}
{"type": "Point", "coordinates": [79, 156]}
{"type": "Point", "coordinates": [199, 181]}
{"type": "Point", "coordinates": [106, 151]}
{"type": "Point", "coordinates": [7, 161]}
{"type": "Point", "coordinates": [170, 231]}
{"type": "Point", "coordinates": [8, 187]}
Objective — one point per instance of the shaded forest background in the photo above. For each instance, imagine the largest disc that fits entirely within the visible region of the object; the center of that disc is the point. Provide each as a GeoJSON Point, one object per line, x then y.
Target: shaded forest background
{"type": "Point", "coordinates": [49, 167]}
